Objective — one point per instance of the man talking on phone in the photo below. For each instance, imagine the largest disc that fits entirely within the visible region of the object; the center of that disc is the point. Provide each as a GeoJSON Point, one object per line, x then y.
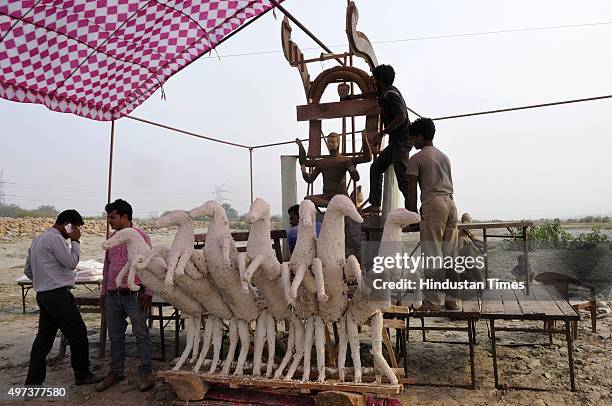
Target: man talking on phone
{"type": "Point", "coordinates": [50, 265]}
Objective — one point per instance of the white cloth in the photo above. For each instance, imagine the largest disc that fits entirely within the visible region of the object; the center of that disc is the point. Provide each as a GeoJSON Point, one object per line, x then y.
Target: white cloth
{"type": "Point", "coordinates": [90, 264]}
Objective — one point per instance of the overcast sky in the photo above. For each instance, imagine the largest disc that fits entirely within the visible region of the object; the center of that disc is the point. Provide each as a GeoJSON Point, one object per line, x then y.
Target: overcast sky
{"type": "Point", "coordinates": [551, 162]}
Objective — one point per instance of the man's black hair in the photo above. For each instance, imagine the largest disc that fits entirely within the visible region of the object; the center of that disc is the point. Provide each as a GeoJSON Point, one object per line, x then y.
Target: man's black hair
{"type": "Point", "coordinates": [122, 207]}
{"type": "Point", "coordinates": [69, 216]}
{"type": "Point", "coordinates": [295, 209]}
{"type": "Point", "coordinates": [386, 73]}
{"type": "Point", "coordinates": [423, 126]}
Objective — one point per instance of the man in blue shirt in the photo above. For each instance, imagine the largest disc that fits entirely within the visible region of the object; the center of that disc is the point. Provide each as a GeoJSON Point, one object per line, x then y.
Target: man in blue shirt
{"type": "Point", "coordinates": [294, 219]}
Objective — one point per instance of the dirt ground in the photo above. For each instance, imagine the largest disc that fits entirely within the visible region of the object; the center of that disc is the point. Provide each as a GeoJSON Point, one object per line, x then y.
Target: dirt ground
{"type": "Point", "coordinates": [543, 366]}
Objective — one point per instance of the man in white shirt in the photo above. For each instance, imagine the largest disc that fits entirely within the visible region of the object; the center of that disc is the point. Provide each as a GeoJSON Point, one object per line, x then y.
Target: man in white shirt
{"type": "Point", "coordinates": [50, 265]}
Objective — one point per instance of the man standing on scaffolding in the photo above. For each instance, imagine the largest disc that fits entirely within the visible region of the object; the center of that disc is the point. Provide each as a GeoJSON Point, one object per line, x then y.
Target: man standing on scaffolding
{"type": "Point", "coordinates": [395, 120]}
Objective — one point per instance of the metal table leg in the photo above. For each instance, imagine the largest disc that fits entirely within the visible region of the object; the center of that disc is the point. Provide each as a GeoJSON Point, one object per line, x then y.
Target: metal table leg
{"type": "Point", "coordinates": [161, 331]}
{"type": "Point", "coordinates": [494, 354]}
{"type": "Point", "coordinates": [23, 298]}
{"type": "Point", "coordinates": [177, 320]}
{"type": "Point", "coordinates": [570, 354]}
{"type": "Point", "coordinates": [103, 331]}
{"type": "Point", "coordinates": [471, 341]}
{"type": "Point", "coordinates": [405, 339]}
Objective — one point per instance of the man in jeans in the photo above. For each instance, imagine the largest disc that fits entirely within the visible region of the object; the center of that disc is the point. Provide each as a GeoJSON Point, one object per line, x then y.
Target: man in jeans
{"type": "Point", "coordinates": [119, 302]}
{"type": "Point", "coordinates": [431, 169]}
{"type": "Point", "coordinates": [50, 265]}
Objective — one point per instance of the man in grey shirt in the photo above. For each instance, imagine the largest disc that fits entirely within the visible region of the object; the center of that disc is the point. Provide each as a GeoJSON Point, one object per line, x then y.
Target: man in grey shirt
{"type": "Point", "coordinates": [50, 265]}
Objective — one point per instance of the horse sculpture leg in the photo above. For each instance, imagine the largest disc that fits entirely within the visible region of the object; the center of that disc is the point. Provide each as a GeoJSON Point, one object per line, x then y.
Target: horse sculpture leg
{"type": "Point", "coordinates": [299, 347]}
{"type": "Point", "coordinates": [353, 338]}
{"type": "Point", "coordinates": [320, 346]}
{"type": "Point", "coordinates": [271, 336]}
{"type": "Point", "coordinates": [245, 343]}
{"type": "Point", "coordinates": [289, 353]}
{"type": "Point", "coordinates": [342, 344]}
{"type": "Point", "coordinates": [260, 337]}
{"type": "Point", "coordinates": [231, 352]}
{"type": "Point", "coordinates": [308, 338]}
{"type": "Point", "coordinates": [208, 329]}
{"type": "Point", "coordinates": [379, 360]}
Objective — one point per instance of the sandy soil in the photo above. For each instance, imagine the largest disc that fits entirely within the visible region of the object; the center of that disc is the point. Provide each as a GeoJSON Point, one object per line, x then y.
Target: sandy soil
{"type": "Point", "coordinates": [534, 366]}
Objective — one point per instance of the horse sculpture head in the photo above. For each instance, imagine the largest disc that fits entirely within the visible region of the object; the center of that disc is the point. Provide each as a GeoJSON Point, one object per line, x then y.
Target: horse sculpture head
{"type": "Point", "coordinates": [126, 235]}
{"type": "Point", "coordinates": [259, 210]}
{"type": "Point", "coordinates": [173, 218]}
{"type": "Point", "coordinates": [402, 217]}
{"type": "Point", "coordinates": [341, 204]}
{"type": "Point", "coordinates": [308, 213]}
{"type": "Point", "coordinates": [210, 209]}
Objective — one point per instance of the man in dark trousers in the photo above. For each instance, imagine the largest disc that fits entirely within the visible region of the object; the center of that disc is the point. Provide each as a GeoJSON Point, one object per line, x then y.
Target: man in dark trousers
{"type": "Point", "coordinates": [50, 265]}
{"type": "Point", "coordinates": [395, 120]}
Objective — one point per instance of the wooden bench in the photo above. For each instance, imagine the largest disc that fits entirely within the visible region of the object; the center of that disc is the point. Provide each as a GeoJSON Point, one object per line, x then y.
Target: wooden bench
{"type": "Point", "coordinates": [241, 236]}
{"type": "Point", "coordinates": [541, 304]}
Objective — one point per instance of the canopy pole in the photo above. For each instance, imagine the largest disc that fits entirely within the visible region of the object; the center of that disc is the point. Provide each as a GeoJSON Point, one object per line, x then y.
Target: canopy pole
{"type": "Point", "coordinates": [306, 30]}
{"type": "Point", "coordinates": [110, 171]}
{"type": "Point", "coordinates": [251, 170]}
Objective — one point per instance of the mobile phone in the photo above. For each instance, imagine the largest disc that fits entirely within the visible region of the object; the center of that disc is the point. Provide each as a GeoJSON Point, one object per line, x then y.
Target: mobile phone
{"type": "Point", "coordinates": [68, 228]}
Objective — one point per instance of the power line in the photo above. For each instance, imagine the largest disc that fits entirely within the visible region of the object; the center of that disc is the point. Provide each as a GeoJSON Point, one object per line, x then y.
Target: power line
{"type": "Point", "coordinates": [533, 106]}
{"type": "Point", "coordinates": [51, 188]}
{"type": "Point", "coordinates": [433, 37]}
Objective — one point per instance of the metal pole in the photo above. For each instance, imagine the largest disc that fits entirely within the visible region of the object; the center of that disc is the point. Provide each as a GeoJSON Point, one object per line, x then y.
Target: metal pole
{"type": "Point", "coordinates": [306, 30]}
{"type": "Point", "coordinates": [251, 171]}
{"type": "Point", "coordinates": [110, 171]}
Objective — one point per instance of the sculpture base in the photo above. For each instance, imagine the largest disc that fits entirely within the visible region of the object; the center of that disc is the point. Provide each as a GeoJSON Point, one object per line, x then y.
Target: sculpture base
{"type": "Point", "coordinates": [265, 383]}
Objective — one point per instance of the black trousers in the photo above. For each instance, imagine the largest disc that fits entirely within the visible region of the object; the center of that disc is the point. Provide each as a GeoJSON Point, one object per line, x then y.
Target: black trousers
{"type": "Point", "coordinates": [396, 155]}
{"type": "Point", "coordinates": [58, 310]}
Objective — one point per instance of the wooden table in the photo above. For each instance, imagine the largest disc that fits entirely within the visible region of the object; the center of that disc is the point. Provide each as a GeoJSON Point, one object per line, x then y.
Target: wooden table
{"type": "Point", "coordinates": [541, 304]}
{"type": "Point", "coordinates": [27, 285]}
{"type": "Point", "coordinates": [509, 225]}
{"type": "Point", "coordinates": [240, 236]}
{"type": "Point", "coordinates": [469, 313]}
{"type": "Point", "coordinates": [159, 304]}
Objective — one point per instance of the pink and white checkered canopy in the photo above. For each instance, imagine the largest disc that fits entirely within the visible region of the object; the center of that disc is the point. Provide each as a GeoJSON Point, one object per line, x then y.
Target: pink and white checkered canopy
{"type": "Point", "coordinates": [100, 59]}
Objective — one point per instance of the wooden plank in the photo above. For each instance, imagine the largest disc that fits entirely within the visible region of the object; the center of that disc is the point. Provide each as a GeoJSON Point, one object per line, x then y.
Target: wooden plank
{"type": "Point", "coordinates": [470, 303]}
{"type": "Point", "coordinates": [394, 323]}
{"type": "Point", "coordinates": [348, 108]}
{"type": "Point", "coordinates": [393, 309]}
{"type": "Point", "coordinates": [546, 301]}
{"type": "Point", "coordinates": [470, 226]}
{"type": "Point", "coordinates": [336, 398]}
{"type": "Point", "coordinates": [511, 304]}
{"type": "Point", "coordinates": [529, 304]}
{"type": "Point", "coordinates": [563, 304]}
{"type": "Point", "coordinates": [389, 346]}
{"type": "Point", "coordinates": [258, 382]}
{"type": "Point", "coordinates": [492, 303]}
{"type": "Point", "coordinates": [247, 396]}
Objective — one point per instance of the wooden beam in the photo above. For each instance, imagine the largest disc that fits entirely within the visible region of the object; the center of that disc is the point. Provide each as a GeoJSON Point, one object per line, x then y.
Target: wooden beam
{"type": "Point", "coordinates": [348, 108]}
{"type": "Point", "coordinates": [235, 382]}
